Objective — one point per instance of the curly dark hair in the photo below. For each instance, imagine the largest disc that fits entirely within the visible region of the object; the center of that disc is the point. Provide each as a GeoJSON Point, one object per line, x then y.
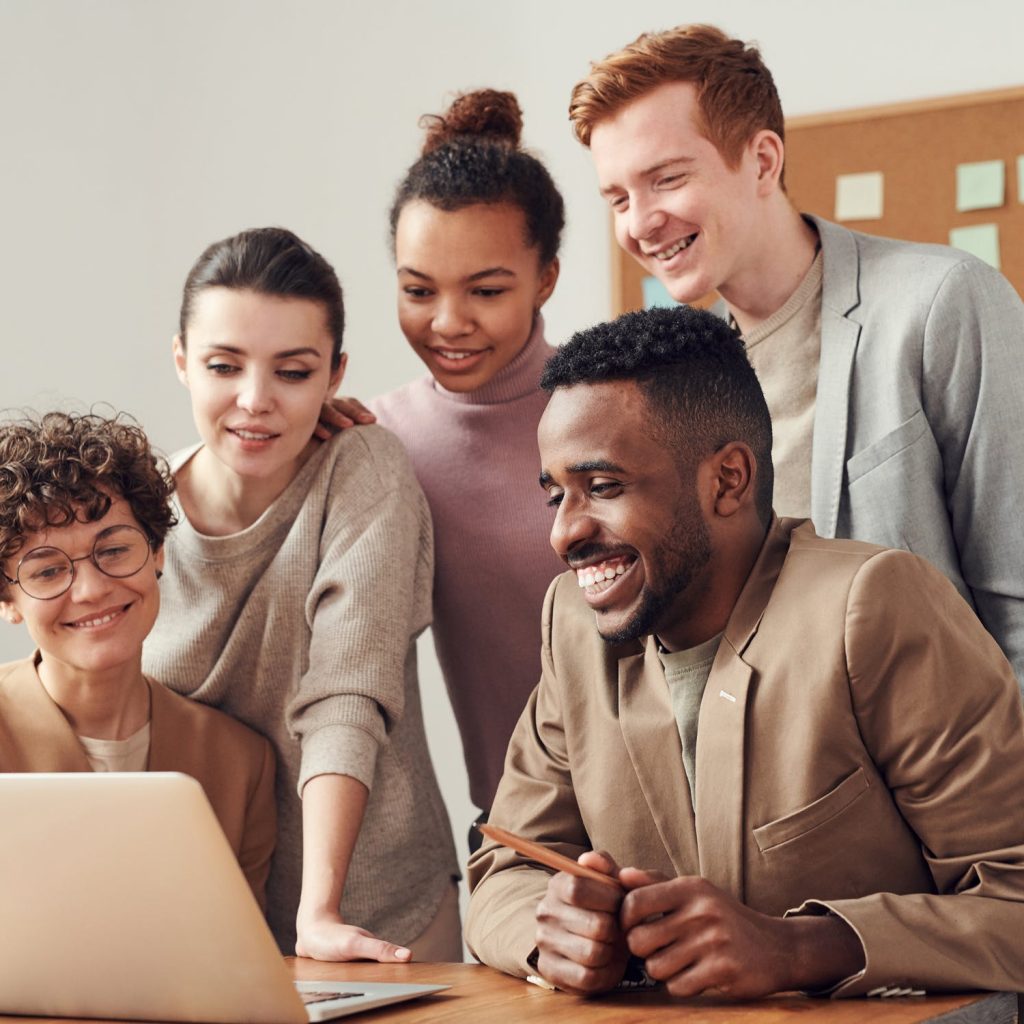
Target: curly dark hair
{"type": "Point", "coordinates": [472, 155]}
{"type": "Point", "coordinates": [693, 371]}
{"type": "Point", "coordinates": [60, 467]}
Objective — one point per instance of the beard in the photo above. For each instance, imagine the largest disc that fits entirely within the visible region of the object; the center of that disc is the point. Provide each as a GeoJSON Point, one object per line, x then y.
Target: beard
{"type": "Point", "coordinates": [681, 555]}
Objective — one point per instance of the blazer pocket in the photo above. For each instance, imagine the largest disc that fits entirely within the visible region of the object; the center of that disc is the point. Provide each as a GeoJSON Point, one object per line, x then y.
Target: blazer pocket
{"type": "Point", "coordinates": [826, 807]}
{"type": "Point", "coordinates": [907, 433]}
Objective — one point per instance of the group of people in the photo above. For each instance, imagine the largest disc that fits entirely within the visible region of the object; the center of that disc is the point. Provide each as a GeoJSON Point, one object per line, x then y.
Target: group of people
{"type": "Point", "coordinates": [796, 755]}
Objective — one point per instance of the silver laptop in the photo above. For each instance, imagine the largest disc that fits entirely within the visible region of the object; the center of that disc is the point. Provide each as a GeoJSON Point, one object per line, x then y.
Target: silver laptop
{"type": "Point", "coordinates": [120, 897]}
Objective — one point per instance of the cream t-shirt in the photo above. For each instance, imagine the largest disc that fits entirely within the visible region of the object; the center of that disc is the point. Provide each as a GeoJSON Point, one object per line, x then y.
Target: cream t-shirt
{"type": "Point", "coordinates": [785, 351]}
{"type": "Point", "coordinates": [127, 755]}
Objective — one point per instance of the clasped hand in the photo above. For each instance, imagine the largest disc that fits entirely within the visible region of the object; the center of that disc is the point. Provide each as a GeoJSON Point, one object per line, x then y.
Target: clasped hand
{"type": "Point", "coordinates": [690, 935]}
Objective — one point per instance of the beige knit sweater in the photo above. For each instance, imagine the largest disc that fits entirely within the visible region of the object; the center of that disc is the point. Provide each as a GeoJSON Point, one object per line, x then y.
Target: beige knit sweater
{"type": "Point", "coordinates": [303, 626]}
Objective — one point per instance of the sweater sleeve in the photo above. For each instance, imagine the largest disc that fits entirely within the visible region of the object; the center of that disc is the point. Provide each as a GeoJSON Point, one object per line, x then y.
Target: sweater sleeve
{"type": "Point", "coordinates": [369, 600]}
{"type": "Point", "coordinates": [940, 713]}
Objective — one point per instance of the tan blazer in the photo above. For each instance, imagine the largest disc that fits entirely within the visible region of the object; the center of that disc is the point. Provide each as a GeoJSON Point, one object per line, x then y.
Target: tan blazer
{"type": "Point", "coordinates": [234, 765]}
{"type": "Point", "coordinates": [860, 743]}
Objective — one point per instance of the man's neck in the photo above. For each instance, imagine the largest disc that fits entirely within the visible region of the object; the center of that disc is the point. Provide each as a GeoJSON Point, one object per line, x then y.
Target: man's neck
{"type": "Point", "coordinates": [786, 247]}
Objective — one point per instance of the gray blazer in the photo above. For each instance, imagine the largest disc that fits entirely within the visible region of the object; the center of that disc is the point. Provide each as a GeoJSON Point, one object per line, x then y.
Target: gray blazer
{"type": "Point", "coordinates": [919, 417]}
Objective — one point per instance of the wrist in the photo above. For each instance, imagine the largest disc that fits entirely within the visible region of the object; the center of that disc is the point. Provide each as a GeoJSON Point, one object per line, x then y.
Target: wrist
{"type": "Point", "coordinates": [820, 952]}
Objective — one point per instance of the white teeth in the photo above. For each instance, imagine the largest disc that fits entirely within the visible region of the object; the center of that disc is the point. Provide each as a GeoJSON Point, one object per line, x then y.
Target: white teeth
{"type": "Point", "coordinates": [599, 574]}
{"type": "Point", "coordinates": [683, 243]}
{"type": "Point", "coordinates": [96, 622]}
{"type": "Point", "coordinates": [456, 355]}
{"type": "Point", "coordinates": [248, 435]}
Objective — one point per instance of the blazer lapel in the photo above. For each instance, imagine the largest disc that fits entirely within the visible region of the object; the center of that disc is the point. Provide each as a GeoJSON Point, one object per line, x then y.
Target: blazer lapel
{"type": "Point", "coordinates": [840, 334]}
{"type": "Point", "coordinates": [720, 771]}
{"type": "Point", "coordinates": [652, 739]}
{"type": "Point", "coordinates": [46, 741]}
{"type": "Point", "coordinates": [721, 733]}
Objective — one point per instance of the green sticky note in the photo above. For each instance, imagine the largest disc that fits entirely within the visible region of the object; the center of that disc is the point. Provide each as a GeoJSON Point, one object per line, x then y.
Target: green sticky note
{"type": "Point", "coordinates": [656, 294]}
{"type": "Point", "coordinates": [1020, 179]}
{"type": "Point", "coordinates": [980, 186]}
{"type": "Point", "coordinates": [981, 240]}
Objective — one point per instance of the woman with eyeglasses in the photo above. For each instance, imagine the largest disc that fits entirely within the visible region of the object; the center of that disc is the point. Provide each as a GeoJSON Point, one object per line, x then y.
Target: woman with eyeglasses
{"type": "Point", "coordinates": [296, 584]}
{"type": "Point", "coordinates": [84, 510]}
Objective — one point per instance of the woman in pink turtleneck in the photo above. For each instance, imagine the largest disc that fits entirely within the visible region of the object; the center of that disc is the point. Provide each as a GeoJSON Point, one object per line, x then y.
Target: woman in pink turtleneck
{"type": "Point", "coordinates": [475, 227]}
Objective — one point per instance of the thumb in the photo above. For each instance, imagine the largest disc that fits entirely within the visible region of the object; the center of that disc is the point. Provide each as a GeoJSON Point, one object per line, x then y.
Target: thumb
{"type": "Point", "coordinates": [635, 878]}
{"type": "Point", "coordinates": [601, 861]}
{"type": "Point", "coordinates": [367, 947]}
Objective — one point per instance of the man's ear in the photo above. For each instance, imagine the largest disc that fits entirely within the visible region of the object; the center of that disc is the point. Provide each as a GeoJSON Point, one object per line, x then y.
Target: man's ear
{"type": "Point", "coordinates": [769, 155]}
{"type": "Point", "coordinates": [10, 613]}
{"type": "Point", "coordinates": [179, 359]}
{"type": "Point", "coordinates": [734, 478]}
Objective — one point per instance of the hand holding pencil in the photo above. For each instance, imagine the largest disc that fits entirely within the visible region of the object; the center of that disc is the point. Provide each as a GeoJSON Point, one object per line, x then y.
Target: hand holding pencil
{"type": "Point", "coordinates": [580, 944]}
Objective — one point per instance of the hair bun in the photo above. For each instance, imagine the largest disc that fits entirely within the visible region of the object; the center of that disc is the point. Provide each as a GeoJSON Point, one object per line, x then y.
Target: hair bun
{"type": "Point", "coordinates": [485, 113]}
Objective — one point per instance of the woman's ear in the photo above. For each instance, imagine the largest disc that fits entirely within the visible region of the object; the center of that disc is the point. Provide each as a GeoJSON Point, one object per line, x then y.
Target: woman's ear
{"type": "Point", "coordinates": [548, 280]}
{"type": "Point", "coordinates": [337, 375]}
{"type": "Point", "coordinates": [10, 613]}
{"type": "Point", "coordinates": [180, 360]}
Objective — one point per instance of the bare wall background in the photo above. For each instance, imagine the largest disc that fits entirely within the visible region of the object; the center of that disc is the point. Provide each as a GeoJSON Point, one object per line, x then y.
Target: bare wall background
{"type": "Point", "coordinates": [134, 132]}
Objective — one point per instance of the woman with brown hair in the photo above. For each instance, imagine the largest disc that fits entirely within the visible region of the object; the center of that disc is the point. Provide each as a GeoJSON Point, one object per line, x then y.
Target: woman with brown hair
{"type": "Point", "coordinates": [296, 584]}
{"type": "Point", "coordinates": [84, 512]}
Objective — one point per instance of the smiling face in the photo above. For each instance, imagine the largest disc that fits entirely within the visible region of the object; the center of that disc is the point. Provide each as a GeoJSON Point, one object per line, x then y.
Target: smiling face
{"type": "Point", "coordinates": [469, 287]}
{"type": "Point", "coordinates": [99, 623]}
{"type": "Point", "coordinates": [258, 368]}
{"type": "Point", "coordinates": [679, 209]}
{"type": "Point", "coordinates": [627, 522]}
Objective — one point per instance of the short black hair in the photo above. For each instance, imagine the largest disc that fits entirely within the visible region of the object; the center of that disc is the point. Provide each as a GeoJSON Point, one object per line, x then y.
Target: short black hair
{"type": "Point", "coordinates": [693, 371]}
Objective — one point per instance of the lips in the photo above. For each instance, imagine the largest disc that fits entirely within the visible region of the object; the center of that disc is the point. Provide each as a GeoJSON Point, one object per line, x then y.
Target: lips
{"type": "Point", "coordinates": [457, 360]}
{"type": "Point", "coordinates": [678, 246]}
{"type": "Point", "coordinates": [98, 620]}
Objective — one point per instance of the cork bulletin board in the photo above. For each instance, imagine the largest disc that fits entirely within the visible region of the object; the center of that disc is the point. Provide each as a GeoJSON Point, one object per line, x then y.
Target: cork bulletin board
{"type": "Point", "coordinates": [917, 147]}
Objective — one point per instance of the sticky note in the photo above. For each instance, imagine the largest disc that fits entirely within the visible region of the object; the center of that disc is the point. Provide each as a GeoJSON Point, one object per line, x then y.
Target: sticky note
{"type": "Point", "coordinates": [982, 240]}
{"type": "Point", "coordinates": [1020, 179]}
{"type": "Point", "coordinates": [859, 196]}
{"type": "Point", "coordinates": [656, 294]}
{"type": "Point", "coordinates": [980, 186]}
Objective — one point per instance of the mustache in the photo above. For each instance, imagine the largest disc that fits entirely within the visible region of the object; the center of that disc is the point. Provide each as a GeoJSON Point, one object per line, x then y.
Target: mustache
{"type": "Point", "coordinates": [587, 553]}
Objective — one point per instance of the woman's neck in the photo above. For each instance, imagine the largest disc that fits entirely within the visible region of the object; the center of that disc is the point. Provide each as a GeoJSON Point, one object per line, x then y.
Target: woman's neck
{"type": "Point", "coordinates": [219, 502]}
{"type": "Point", "coordinates": [108, 705]}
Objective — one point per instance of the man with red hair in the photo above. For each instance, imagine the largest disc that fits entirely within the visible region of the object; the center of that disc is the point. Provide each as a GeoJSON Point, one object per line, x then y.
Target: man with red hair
{"type": "Point", "coordinates": [891, 369]}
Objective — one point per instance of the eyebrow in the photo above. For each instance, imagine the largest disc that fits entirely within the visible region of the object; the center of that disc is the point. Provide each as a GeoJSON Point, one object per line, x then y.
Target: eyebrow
{"type": "Point", "coordinates": [489, 272]}
{"type": "Point", "coordinates": [590, 466]}
{"type": "Point", "coordinates": [288, 353]}
{"type": "Point", "coordinates": [653, 169]}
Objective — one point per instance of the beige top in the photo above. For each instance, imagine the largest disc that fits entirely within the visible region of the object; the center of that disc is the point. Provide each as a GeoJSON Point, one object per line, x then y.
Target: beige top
{"type": "Point", "coordinates": [304, 627]}
{"type": "Point", "coordinates": [785, 350]}
{"type": "Point", "coordinates": [686, 673]}
{"type": "Point", "coordinates": [127, 755]}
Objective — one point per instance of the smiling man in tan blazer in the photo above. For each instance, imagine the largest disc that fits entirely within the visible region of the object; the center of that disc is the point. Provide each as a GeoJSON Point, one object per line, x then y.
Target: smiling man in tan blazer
{"type": "Point", "coordinates": [809, 752]}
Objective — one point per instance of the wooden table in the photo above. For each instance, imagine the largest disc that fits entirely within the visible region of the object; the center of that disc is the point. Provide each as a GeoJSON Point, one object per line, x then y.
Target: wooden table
{"type": "Point", "coordinates": [480, 995]}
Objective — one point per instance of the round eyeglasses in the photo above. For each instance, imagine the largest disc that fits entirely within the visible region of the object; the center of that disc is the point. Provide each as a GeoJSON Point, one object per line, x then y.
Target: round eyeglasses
{"type": "Point", "coordinates": [46, 573]}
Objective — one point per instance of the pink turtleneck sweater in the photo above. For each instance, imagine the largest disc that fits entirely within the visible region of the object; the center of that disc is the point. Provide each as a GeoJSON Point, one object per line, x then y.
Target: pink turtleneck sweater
{"type": "Point", "coordinates": [476, 459]}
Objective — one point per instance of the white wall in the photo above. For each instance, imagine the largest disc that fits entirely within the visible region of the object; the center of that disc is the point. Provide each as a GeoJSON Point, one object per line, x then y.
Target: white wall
{"type": "Point", "coordinates": [135, 132]}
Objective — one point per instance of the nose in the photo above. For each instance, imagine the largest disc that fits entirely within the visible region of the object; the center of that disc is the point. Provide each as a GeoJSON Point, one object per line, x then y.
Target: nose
{"type": "Point", "coordinates": [255, 395]}
{"type": "Point", "coordinates": [451, 320]}
{"type": "Point", "coordinates": [644, 217]}
{"type": "Point", "coordinates": [89, 584]}
{"type": "Point", "coordinates": [573, 526]}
